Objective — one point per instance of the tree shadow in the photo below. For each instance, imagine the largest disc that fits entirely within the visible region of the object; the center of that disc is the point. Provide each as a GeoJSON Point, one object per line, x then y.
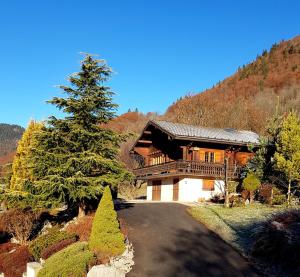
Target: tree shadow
{"type": "Point", "coordinates": [123, 205]}
{"type": "Point", "coordinates": [201, 253]}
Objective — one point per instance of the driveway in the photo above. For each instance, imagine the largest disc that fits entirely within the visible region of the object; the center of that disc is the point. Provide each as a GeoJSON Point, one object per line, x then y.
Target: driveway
{"type": "Point", "coordinates": [168, 242]}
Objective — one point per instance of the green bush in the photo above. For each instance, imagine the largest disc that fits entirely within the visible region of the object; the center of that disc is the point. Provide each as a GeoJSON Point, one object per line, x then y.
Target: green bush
{"type": "Point", "coordinates": [236, 201]}
{"type": "Point", "coordinates": [251, 183]}
{"type": "Point", "coordinates": [106, 238]}
{"type": "Point", "coordinates": [72, 261]}
{"type": "Point", "coordinates": [232, 186]}
{"type": "Point", "coordinates": [279, 198]}
{"type": "Point", "coordinates": [44, 241]}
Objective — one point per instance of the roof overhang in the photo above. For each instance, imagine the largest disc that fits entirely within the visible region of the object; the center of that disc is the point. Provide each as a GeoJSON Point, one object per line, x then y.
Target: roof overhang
{"type": "Point", "coordinates": [191, 138]}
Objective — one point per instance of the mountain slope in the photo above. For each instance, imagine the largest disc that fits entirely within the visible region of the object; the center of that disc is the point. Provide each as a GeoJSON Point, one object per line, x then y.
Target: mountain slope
{"type": "Point", "coordinates": [9, 136]}
{"type": "Point", "coordinates": [247, 98]}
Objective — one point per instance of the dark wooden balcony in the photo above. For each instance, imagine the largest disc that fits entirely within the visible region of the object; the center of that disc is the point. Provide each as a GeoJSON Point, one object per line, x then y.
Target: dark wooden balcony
{"type": "Point", "coordinates": [188, 168]}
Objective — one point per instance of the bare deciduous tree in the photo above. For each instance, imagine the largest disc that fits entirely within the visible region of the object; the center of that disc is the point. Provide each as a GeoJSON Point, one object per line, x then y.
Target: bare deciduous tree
{"type": "Point", "coordinates": [18, 223]}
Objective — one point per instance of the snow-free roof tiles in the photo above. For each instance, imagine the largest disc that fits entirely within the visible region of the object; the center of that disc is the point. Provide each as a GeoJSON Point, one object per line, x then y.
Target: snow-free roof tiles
{"type": "Point", "coordinates": [185, 131]}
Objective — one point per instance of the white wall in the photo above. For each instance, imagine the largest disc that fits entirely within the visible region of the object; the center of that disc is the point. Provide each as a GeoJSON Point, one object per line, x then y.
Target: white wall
{"type": "Point", "coordinates": [190, 189]}
{"type": "Point", "coordinates": [149, 190]}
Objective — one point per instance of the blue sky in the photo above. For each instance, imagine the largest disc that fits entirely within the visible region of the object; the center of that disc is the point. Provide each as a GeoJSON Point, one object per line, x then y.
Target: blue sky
{"type": "Point", "coordinates": [159, 50]}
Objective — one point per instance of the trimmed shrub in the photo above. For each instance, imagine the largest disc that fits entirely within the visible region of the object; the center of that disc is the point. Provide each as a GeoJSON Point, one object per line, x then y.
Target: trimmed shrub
{"type": "Point", "coordinates": [44, 241]}
{"type": "Point", "coordinates": [52, 249]}
{"type": "Point", "coordinates": [278, 241]}
{"type": "Point", "coordinates": [13, 263]}
{"type": "Point", "coordinates": [73, 260]}
{"type": "Point", "coordinates": [251, 183]}
{"type": "Point", "coordinates": [106, 238]}
{"type": "Point", "coordinates": [82, 228]}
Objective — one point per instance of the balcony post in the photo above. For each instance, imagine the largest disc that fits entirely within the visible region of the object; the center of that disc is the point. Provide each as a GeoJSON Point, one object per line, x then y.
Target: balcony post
{"type": "Point", "coordinates": [226, 183]}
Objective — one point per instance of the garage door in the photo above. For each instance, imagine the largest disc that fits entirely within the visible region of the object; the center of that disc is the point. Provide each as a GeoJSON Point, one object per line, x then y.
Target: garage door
{"type": "Point", "coordinates": [156, 190]}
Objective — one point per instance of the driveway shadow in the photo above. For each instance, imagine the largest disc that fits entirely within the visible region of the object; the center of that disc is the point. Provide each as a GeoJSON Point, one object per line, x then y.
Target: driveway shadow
{"type": "Point", "coordinates": [198, 253]}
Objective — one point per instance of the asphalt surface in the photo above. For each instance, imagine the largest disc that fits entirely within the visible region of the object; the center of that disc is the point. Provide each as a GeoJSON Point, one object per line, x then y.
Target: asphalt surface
{"type": "Point", "coordinates": [168, 242]}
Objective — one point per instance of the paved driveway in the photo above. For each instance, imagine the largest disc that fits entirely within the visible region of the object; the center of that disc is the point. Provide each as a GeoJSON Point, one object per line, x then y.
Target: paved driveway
{"type": "Point", "coordinates": [168, 242]}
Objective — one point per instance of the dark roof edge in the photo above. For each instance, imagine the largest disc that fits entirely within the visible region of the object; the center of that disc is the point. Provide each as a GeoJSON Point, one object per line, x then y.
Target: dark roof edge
{"type": "Point", "coordinates": [146, 126]}
{"type": "Point", "coordinates": [233, 142]}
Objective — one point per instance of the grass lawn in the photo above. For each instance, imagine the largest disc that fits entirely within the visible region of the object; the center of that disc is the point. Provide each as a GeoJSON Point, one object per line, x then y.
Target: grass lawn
{"type": "Point", "coordinates": [234, 225]}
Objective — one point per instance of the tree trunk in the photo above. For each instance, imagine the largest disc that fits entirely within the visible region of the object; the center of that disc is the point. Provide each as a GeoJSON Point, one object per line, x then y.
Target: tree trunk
{"type": "Point", "coordinates": [271, 197]}
{"type": "Point", "coordinates": [3, 206]}
{"type": "Point", "coordinates": [81, 210]}
{"type": "Point", "coordinates": [251, 197]}
{"type": "Point", "coordinates": [226, 184]}
{"type": "Point", "coordinates": [289, 193]}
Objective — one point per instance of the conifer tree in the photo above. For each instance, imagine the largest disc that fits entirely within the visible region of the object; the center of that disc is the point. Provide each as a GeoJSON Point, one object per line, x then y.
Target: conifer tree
{"type": "Point", "coordinates": [287, 155]}
{"type": "Point", "coordinates": [77, 155]}
{"type": "Point", "coordinates": [22, 164]}
{"type": "Point", "coordinates": [106, 238]}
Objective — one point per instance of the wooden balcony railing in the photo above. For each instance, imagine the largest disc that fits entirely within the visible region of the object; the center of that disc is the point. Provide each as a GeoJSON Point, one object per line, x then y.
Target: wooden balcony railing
{"type": "Point", "coordinates": [194, 168]}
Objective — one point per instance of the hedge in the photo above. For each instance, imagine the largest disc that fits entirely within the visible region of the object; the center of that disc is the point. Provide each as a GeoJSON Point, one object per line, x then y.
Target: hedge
{"type": "Point", "coordinates": [74, 261]}
{"type": "Point", "coordinates": [44, 241]}
{"type": "Point", "coordinates": [54, 248]}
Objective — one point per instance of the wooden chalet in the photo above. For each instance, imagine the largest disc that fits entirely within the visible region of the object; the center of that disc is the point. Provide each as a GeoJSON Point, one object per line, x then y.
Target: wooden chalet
{"type": "Point", "coordinates": [187, 163]}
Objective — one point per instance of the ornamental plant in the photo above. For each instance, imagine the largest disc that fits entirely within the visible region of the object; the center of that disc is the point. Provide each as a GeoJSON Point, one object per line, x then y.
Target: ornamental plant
{"type": "Point", "coordinates": [251, 183]}
{"type": "Point", "coordinates": [42, 242]}
{"type": "Point", "coordinates": [73, 260]}
{"type": "Point", "coordinates": [106, 239]}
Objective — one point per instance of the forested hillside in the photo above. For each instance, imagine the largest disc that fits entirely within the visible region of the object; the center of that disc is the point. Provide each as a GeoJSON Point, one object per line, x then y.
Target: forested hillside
{"type": "Point", "coordinates": [247, 98]}
{"type": "Point", "coordinates": [9, 136]}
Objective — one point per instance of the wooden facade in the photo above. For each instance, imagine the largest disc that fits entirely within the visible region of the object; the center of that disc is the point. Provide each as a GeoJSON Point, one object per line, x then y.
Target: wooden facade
{"type": "Point", "coordinates": [159, 154]}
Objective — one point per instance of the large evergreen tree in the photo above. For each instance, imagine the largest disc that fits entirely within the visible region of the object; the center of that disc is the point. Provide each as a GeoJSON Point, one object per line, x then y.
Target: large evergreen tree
{"type": "Point", "coordinates": [77, 155]}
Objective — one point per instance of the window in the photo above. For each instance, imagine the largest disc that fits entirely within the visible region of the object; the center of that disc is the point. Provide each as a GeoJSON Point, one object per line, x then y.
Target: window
{"type": "Point", "coordinates": [208, 185]}
{"type": "Point", "coordinates": [209, 157]}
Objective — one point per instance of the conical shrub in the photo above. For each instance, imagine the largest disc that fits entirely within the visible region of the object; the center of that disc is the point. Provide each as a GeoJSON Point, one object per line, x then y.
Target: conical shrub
{"type": "Point", "coordinates": [106, 238]}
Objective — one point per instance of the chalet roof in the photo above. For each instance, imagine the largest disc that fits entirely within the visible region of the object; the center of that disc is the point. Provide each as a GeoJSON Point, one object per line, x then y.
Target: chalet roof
{"type": "Point", "coordinates": [184, 131]}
